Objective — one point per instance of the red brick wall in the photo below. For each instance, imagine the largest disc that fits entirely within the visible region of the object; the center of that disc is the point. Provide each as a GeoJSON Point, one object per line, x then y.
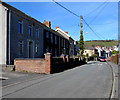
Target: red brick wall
{"type": "Point", "coordinates": [114, 59]}
{"type": "Point", "coordinates": [30, 65]}
{"type": "Point", "coordinates": [47, 65]}
{"type": "Point", "coordinates": [34, 65]}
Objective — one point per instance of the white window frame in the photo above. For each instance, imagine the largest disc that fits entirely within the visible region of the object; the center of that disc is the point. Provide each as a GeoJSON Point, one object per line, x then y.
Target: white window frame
{"type": "Point", "coordinates": [20, 44]}
{"type": "Point", "coordinates": [20, 22]}
{"type": "Point", "coordinates": [37, 32]}
{"type": "Point", "coordinates": [36, 48]}
{"type": "Point", "coordinates": [30, 30]}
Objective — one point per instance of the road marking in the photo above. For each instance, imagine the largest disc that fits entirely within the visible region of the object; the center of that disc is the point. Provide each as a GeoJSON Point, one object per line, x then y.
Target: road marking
{"type": "Point", "coordinates": [3, 78]}
{"type": "Point", "coordinates": [100, 64]}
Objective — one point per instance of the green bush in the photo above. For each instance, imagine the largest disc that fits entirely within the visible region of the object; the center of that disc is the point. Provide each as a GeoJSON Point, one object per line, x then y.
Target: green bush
{"type": "Point", "coordinates": [115, 52]}
{"type": "Point", "coordinates": [94, 55]}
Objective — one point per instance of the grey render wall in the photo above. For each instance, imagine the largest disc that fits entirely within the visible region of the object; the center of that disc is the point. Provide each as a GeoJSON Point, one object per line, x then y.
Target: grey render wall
{"type": "Point", "coordinates": [15, 37]}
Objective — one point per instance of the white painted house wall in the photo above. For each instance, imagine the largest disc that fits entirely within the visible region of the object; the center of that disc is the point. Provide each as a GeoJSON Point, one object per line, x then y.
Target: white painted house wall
{"type": "Point", "coordinates": [3, 34]}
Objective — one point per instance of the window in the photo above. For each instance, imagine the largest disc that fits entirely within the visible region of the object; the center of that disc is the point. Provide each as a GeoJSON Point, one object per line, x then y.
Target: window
{"type": "Point", "coordinates": [36, 48]}
{"type": "Point", "coordinates": [55, 52]}
{"type": "Point", "coordinates": [47, 34]}
{"type": "Point", "coordinates": [55, 39]}
{"type": "Point", "coordinates": [20, 46]}
{"type": "Point", "coordinates": [51, 50]}
{"type": "Point", "coordinates": [19, 27]}
{"type": "Point", "coordinates": [47, 49]}
{"type": "Point", "coordinates": [29, 30]}
{"type": "Point", "coordinates": [37, 33]}
{"type": "Point", "coordinates": [67, 43]}
{"type": "Point", "coordinates": [51, 35]}
{"type": "Point", "coordinates": [64, 43]}
{"type": "Point", "coordinates": [61, 42]}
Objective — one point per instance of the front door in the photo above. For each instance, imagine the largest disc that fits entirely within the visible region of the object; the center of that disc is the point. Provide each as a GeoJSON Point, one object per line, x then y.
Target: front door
{"type": "Point", "coordinates": [30, 49]}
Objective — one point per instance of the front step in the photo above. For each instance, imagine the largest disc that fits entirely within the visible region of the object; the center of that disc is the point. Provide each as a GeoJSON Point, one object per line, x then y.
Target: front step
{"type": "Point", "coordinates": [8, 67]}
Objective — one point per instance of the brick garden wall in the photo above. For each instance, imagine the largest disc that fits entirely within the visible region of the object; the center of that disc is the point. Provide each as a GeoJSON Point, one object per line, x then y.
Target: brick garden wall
{"type": "Point", "coordinates": [34, 65]}
{"type": "Point", "coordinates": [114, 59]}
{"type": "Point", "coordinates": [63, 63]}
{"type": "Point", "coordinates": [47, 65]}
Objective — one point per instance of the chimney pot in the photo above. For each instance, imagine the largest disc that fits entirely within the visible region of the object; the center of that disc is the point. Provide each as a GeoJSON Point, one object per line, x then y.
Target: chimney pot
{"type": "Point", "coordinates": [66, 32]}
{"type": "Point", "coordinates": [57, 27]}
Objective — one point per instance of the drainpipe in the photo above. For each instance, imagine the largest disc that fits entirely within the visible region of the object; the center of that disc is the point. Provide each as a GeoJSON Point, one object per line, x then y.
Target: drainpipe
{"type": "Point", "coordinates": [9, 33]}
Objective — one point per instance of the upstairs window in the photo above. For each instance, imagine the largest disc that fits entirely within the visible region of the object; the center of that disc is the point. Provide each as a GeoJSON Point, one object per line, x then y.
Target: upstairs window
{"type": "Point", "coordinates": [51, 36]}
{"type": "Point", "coordinates": [47, 34]}
{"type": "Point", "coordinates": [62, 42]}
{"type": "Point", "coordinates": [19, 27]}
{"type": "Point", "coordinates": [55, 39]}
{"type": "Point", "coordinates": [30, 30]}
{"type": "Point", "coordinates": [66, 43]}
{"type": "Point", "coordinates": [37, 33]}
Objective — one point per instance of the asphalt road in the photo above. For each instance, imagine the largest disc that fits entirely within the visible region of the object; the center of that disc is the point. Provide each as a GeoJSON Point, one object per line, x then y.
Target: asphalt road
{"type": "Point", "coordinates": [93, 80]}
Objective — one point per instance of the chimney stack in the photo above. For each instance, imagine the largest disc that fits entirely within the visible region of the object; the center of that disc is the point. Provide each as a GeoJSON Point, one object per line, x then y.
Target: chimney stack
{"type": "Point", "coordinates": [47, 23]}
{"type": "Point", "coordinates": [66, 32]}
{"type": "Point", "coordinates": [57, 27]}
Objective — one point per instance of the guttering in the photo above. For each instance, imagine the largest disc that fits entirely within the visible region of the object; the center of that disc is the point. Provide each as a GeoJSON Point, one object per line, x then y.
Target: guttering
{"type": "Point", "coordinates": [9, 34]}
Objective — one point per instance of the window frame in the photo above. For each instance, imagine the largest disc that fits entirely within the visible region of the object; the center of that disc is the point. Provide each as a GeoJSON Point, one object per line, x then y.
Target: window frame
{"type": "Point", "coordinates": [51, 37]}
{"type": "Point", "coordinates": [37, 33]}
{"type": "Point", "coordinates": [55, 39]}
{"type": "Point", "coordinates": [36, 48]}
{"type": "Point", "coordinates": [29, 30]}
{"type": "Point", "coordinates": [20, 47]}
{"type": "Point", "coordinates": [20, 27]}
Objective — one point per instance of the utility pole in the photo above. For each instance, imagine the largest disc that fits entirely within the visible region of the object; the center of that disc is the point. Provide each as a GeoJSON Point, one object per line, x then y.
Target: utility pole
{"type": "Point", "coordinates": [81, 38]}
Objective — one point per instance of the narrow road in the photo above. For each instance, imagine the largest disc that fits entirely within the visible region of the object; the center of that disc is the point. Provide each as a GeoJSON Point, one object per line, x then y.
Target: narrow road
{"type": "Point", "coordinates": [93, 80]}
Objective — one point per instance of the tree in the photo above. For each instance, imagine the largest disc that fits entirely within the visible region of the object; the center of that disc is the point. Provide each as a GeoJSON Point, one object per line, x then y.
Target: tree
{"type": "Point", "coordinates": [81, 43]}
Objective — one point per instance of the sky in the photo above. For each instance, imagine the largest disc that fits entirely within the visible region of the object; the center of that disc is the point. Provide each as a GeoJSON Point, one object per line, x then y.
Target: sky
{"type": "Point", "coordinates": [102, 17]}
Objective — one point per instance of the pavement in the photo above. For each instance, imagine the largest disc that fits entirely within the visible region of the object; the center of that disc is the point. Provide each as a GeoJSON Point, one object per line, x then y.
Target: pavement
{"type": "Point", "coordinates": [115, 87]}
{"type": "Point", "coordinates": [10, 78]}
{"type": "Point", "coordinates": [92, 80]}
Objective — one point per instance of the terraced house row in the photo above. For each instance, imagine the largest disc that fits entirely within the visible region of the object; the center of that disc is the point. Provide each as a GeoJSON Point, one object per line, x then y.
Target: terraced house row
{"type": "Point", "coordinates": [22, 36]}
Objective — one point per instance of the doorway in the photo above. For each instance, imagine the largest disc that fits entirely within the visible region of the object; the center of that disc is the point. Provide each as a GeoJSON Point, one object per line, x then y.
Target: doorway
{"type": "Point", "coordinates": [30, 49]}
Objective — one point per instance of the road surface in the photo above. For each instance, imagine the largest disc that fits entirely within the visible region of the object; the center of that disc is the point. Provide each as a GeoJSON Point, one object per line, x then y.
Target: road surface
{"type": "Point", "coordinates": [93, 80]}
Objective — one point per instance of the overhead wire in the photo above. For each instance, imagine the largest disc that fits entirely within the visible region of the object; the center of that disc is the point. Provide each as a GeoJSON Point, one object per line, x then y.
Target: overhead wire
{"type": "Point", "coordinates": [96, 8]}
{"type": "Point", "coordinates": [78, 17]}
{"type": "Point", "coordinates": [66, 9]}
{"type": "Point", "coordinates": [97, 16]}
{"type": "Point", "coordinates": [98, 13]}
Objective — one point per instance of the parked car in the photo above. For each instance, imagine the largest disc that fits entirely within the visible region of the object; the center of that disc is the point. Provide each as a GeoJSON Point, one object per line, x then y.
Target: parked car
{"type": "Point", "coordinates": [102, 59]}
